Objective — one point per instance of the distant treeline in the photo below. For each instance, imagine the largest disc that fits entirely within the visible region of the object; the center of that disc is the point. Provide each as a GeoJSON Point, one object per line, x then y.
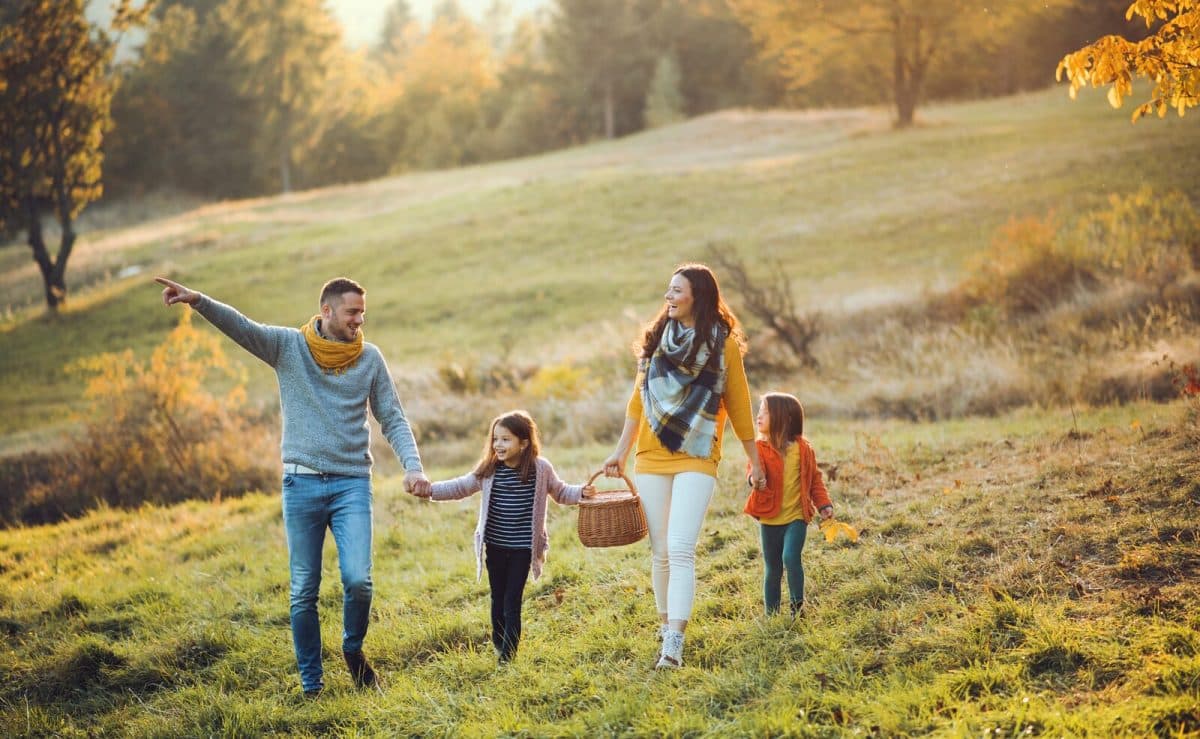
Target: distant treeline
{"type": "Point", "coordinates": [234, 98]}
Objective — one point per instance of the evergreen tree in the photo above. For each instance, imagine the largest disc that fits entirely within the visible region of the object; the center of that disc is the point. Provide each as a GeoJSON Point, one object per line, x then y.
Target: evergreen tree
{"type": "Point", "coordinates": [664, 101]}
{"type": "Point", "coordinates": [602, 59]}
{"type": "Point", "coordinates": [177, 128]}
{"type": "Point", "coordinates": [284, 48]}
{"type": "Point", "coordinates": [397, 22]}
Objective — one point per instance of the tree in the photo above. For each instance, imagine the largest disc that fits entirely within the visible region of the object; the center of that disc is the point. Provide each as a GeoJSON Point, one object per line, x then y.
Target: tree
{"type": "Point", "coordinates": [719, 65]}
{"type": "Point", "coordinates": [397, 23]}
{"type": "Point", "coordinates": [1170, 57]}
{"type": "Point", "coordinates": [525, 113]}
{"type": "Point", "coordinates": [445, 78]}
{"type": "Point", "coordinates": [497, 26]}
{"type": "Point", "coordinates": [600, 53]}
{"type": "Point", "coordinates": [801, 38]}
{"type": "Point", "coordinates": [284, 48]}
{"type": "Point", "coordinates": [56, 93]}
{"type": "Point", "coordinates": [664, 101]}
{"type": "Point", "coordinates": [178, 129]}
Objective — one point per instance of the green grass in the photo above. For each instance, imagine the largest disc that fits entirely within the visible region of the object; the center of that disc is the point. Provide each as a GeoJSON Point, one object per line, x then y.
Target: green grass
{"type": "Point", "coordinates": [1020, 577]}
{"type": "Point", "coordinates": [1028, 573]}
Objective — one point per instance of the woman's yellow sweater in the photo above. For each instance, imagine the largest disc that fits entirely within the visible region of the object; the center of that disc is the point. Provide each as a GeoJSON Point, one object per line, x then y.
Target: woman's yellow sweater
{"type": "Point", "coordinates": [655, 459]}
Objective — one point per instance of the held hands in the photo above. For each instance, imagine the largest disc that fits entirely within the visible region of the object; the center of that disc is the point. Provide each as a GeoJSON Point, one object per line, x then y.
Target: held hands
{"type": "Point", "coordinates": [758, 479]}
{"type": "Point", "coordinates": [174, 293]}
{"type": "Point", "coordinates": [826, 512]}
{"type": "Point", "coordinates": [418, 484]}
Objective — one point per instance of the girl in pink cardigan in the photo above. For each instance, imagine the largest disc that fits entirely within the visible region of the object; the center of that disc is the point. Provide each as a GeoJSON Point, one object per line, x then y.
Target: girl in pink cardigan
{"type": "Point", "coordinates": [511, 535]}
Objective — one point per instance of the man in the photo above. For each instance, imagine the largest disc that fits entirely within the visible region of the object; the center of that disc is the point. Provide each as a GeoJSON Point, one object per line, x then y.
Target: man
{"type": "Point", "coordinates": [328, 377]}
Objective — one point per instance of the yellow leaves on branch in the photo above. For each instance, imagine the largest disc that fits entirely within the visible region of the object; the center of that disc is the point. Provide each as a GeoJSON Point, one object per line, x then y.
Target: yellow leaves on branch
{"type": "Point", "coordinates": [1169, 58]}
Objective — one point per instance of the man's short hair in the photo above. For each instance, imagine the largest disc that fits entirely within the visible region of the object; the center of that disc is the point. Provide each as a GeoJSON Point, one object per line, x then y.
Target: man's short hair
{"type": "Point", "coordinates": [337, 287]}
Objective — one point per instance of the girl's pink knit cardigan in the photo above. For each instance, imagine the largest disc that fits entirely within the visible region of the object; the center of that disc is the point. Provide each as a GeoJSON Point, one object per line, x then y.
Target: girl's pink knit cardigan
{"type": "Point", "coordinates": [547, 485]}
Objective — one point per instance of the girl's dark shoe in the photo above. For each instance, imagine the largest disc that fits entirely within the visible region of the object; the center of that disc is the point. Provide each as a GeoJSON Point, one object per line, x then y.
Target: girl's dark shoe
{"type": "Point", "coordinates": [797, 608]}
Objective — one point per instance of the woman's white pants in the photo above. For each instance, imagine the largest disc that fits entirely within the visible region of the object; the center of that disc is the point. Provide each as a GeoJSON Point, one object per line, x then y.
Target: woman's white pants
{"type": "Point", "coordinates": [675, 507]}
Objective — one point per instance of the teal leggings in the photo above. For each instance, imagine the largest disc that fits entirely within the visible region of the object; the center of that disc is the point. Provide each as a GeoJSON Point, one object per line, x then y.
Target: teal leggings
{"type": "Point", "coordinates": [782, 546]}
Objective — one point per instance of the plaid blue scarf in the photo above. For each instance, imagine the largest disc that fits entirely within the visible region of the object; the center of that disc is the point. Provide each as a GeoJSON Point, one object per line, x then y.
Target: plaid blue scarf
{"type": "Point", "coordinates": [681, 401]}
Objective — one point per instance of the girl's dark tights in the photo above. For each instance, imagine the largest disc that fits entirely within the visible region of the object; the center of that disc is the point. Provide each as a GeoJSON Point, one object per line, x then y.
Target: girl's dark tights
{"type": "Point", "coordinates": [507, 570]}
{"type": "Point", "coordinates": [782, 546]}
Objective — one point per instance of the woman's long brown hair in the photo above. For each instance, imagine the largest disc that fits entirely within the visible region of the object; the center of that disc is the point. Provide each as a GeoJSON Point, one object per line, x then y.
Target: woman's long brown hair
{"type": "Point", "coordinates": [787, 419]}
{"type": "Point", "coordinates": [708, 307]}
{"type": "Point", "coordinates": [522, 426]}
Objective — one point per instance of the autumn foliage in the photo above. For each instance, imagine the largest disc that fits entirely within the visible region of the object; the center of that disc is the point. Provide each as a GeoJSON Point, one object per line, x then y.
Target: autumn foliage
{"type": "Point", "coordinates": [1169, 58]}
{"type": "Point", "coordinates": [154, 433]}
{"type": "Point", "coordinates": [1146, 238]}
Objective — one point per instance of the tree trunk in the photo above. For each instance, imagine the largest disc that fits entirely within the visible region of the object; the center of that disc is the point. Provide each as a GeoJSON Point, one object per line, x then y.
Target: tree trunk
{"type": "Point", "coordinates": [609, 115]}
{"type": "Point", "coordinates": [58, 282]}
{"type": "Point", "coordinates": [52, 279]}
{"type": "Point", "coordinates": [911, 62]}
{"type": "Point", "coordinates": [904, 106]}
{"type": "Point", "coordinates": [285, 168]}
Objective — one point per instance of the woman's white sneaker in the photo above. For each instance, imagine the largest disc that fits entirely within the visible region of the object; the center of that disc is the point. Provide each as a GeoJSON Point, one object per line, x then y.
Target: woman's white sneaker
{"type": "Point", "coordinates": [672, 650]}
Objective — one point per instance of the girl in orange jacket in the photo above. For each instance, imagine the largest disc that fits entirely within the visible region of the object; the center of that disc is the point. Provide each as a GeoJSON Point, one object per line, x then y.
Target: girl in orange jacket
{"type": "Point", "coordinates": [795, 492]}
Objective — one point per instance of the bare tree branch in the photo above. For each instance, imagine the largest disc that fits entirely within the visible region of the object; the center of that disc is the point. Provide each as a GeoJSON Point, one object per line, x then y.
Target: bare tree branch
{"type": "Point", "coordinates": [770, 301]}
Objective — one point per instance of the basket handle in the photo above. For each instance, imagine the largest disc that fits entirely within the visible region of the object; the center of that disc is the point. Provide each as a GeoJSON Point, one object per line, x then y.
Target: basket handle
{"type": "Point", "coordinates": [632, 487]}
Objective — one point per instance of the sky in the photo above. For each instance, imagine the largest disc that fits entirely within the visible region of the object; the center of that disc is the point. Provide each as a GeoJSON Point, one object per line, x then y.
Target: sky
{"type": "Point", "coordinates": [362, 19]}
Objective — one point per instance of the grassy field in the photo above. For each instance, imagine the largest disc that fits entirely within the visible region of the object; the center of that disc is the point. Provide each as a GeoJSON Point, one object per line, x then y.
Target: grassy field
{"type": "Point", "coordinates": [556, 258]}
{"type": "Point", "coordinates": [1032, 574]}
{"type": "Point", "coordinates": [1029, 553]}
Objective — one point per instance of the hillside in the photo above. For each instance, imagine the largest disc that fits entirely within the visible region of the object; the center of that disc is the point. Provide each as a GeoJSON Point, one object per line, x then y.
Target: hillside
{"type": "Point", "coordinates": [555, 258]}
{"type": "Point", "coordinates": [1002, 429]}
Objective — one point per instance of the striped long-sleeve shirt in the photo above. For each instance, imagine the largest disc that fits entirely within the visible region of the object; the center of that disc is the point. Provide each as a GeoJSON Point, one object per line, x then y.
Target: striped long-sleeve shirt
{"type": "Point", "coordinates": [546, 485]}
{"type": "Point", "coordinates": [510, 514]}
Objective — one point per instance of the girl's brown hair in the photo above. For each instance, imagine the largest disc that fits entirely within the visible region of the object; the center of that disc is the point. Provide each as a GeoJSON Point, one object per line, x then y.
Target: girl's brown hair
{"type": "Point", "coordinates": [522, 426]}
{"type": "Point", "coordinates": [708, 307]}
{"type": "Point", "coordinates": [787, 419]}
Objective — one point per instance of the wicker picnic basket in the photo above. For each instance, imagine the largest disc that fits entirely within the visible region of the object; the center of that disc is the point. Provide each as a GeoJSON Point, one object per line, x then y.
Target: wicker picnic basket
{"type": "Point", "coordinates": [611, 518]}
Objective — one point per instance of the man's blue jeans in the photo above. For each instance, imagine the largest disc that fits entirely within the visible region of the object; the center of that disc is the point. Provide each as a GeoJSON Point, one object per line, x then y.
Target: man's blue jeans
{"type": "Point", "coordinates": [312, 504]}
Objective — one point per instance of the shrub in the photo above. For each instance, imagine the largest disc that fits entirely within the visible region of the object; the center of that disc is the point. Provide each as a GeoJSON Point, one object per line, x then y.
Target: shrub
{"type": "Point", "coordinates": [769, 300]}
{"type": "Point", "coordinates": [1026, 270]}
{"type": "Point", "coordinates": [154, 434]}
{"type": "Point", "coordinates": [560, 381]}
{"type": "Point", "coordinates": [1147, 237]}
{"type": "Point", "coordinates": [473, 376]}
{"type": "Point", "coordinates": [1034, 264]}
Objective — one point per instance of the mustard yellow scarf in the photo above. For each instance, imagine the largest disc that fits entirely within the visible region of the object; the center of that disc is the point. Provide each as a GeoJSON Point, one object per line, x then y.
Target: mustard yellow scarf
{"type": "Point", "coordinates": [332, 356]}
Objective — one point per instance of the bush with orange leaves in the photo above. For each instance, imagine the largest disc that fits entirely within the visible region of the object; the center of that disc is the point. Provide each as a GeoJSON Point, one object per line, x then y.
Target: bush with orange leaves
{"type": "Point", "coordinates": [1026, 270]}
{"type": "Point", "coordinates": [155, 434]}
{"type": "Point", "coordinates": [1145, 238]}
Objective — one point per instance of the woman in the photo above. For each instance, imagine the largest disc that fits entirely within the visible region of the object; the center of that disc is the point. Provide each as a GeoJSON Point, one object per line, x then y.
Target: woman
{"type": "Point", "coordinates": [690, 380]}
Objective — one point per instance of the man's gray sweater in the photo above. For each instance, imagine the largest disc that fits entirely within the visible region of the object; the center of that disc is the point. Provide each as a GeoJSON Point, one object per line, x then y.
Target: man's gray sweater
{"type": "Point", "coordinates": [324, 414]}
